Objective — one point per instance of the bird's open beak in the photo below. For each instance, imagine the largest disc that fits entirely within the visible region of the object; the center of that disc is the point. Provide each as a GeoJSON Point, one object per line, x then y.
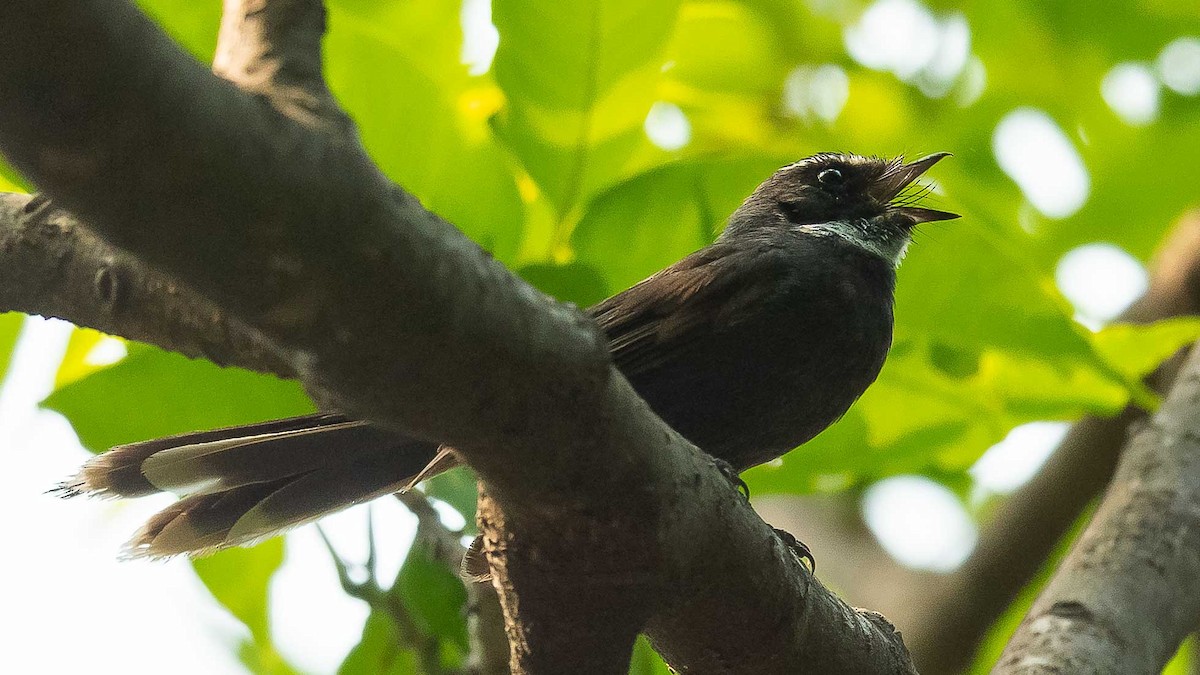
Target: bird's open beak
{"type": "Point", "coordinates": [892, 183]}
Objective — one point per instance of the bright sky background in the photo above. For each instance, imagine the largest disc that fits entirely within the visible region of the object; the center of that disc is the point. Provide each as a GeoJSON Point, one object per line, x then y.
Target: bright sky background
{"type": "Point", "coordinates": [63, 582]}
{"type": "Point", "coordinates": [74, 601]}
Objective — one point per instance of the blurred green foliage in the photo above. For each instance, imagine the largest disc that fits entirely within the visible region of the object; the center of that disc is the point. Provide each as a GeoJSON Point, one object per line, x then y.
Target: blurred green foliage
{"type": "Point", "coordinates": [381, 651]}
{"type": "Point", "coordinates": [240, 580]}
{"type": "Point", "coordinates": [10, 329]}
{"type": "Point", "coordinates": [153, 393]}
{"type": "Point", "coordinates": [542, 158]}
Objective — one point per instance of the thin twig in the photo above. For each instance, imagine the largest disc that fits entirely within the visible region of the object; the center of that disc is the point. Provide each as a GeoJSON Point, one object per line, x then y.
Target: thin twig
{"type": "Point", "coordinates": [387, 603]}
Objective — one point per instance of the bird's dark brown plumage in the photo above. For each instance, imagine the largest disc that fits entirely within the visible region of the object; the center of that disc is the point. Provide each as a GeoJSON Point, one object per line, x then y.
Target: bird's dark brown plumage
{"type": "Point", "coordinates": [748, 347]}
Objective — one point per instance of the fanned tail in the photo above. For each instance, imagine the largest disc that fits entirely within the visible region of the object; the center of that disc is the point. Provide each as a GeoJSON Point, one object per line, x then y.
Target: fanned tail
{"type": "Point", "coordinates": [241, 485]}
{"type": "Point", "coordinates": [118, 472]}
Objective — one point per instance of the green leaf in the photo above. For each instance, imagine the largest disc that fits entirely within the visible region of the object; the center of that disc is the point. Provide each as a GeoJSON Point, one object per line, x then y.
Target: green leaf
{"type": "Point", "coordinates": [75, 364]}
{"type": "Point", "coordinates": [918, 417]}
{"type": "Point", "coordinates": [645, 661]}
{"type": "Point", "coordinates": [1181, 663]}
{"type": "Point", "coordinates": [579, 79]}
{"type": "Point", "coordinates": [10, 180]}
{"type": "Point", "coordinates": [10, 330]}
{"type": "Point", "coordinates": [240, 579]}
{"type": "Point", "coordinates": [1011, 303]}
{"type": "Point", "coordinates": [652, 220]}
{"type": "Point", "coordinates": [379, 651]}
{"type": "Point", "coordinates": [726, 46]}
{"type": "Point", "coordinates": [192, 24]}
{"type": "Point", "coordinates": [1136, 350]}
{"type": "Point", "coordinates": [396, 69]}
{"type": "Point", "coordinates": [434, 596]}
{"type": "Point", "coordinates": [154, 393]}
{"type": "Point", "coordinates": [458, 489]}
{"type": "Point", "coordinates": [574, 282]}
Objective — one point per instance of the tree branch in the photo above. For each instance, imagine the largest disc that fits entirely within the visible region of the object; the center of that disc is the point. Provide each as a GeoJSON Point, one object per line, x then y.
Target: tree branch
{"type": "Point", "coordinates": [485, 618]}
{"type": "Point", "coordinates": [425, 647]}
{"type": "Point", "coordinates": [275, 51]}
{"type": "Point", "coordinates": [1136, 565]}
{"type": "Point", "coordinates": [52, 265]}
{"type": "Point", "coordinates": [281, 219]}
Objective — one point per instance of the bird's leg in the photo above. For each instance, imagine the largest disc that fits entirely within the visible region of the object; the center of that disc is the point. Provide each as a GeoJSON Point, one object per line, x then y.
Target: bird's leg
{"type": "Point", "coordinates": [730, 473]}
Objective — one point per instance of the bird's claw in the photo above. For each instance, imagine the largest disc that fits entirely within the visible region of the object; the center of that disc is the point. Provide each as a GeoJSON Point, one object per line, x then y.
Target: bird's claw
{"type": "Point", "coordinates": [799, 548]}
{"type": "Point", "coordinates": [731, 473]}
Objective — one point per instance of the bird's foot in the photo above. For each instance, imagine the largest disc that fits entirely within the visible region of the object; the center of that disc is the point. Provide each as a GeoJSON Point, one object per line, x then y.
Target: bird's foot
{"type": "Point", "coordinates": [799, 548]}
{"type": "Point", "coordinates": [730, 473]}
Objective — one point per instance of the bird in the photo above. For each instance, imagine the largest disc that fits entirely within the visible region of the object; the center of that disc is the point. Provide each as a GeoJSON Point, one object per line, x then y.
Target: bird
{"type": "Point", "coordinates": [748, 347]}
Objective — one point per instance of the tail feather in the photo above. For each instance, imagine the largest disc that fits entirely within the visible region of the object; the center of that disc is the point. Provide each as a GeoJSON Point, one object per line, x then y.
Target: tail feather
{"type": "Point", "coordinates": [224, 464]}
{"type": "Point", "coordinates": [118, 472]}
{"type": "Point", "coordinates": [312, 495]}
{"type": "Point", "coordinates": [242, 485]}
{"type": "Point", "coordinates": [196, 525]}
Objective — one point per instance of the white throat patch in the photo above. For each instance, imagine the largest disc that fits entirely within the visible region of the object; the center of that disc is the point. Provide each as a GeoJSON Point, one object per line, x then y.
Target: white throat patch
{"type": "Point", "coordinates": [891, 249]}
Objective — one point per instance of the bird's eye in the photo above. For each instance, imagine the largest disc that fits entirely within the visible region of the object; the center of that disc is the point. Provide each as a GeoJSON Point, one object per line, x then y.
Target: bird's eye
{"type": "Point", "coordinates": [830, 177]}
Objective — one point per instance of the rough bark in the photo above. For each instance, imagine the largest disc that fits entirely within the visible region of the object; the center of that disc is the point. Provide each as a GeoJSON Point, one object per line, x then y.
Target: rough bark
{"type": "Point", "coordinates": [260, 197]}
{"type": "Point", "coordinates": [54, 266]}
{"type": "Point", "coordinates": [1136, 565]}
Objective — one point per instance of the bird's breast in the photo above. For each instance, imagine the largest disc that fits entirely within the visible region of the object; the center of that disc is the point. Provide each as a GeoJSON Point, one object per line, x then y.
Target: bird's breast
{"type": "Point", "coordinates": [787, 369]}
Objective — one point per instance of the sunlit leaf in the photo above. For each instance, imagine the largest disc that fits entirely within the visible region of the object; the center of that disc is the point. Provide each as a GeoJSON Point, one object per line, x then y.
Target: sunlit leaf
{"type": "Point", "coordinates": [648, 222]}
{"type": "Point", "coordinates": [434, 596]}
{"type": "Point", "coordinates": [579, 79]}
{"type": "Point", "coordinates": [76, 364]}
{"type": "Point", "coordinates": [240, 579]}
{"type": "Point", "coordinates": [10, 180]}
{"type": "Point", "coordinates": [10, 330]}
{"type": "Point", "coordinates": [645, 661]}
{"type": "Point", "coordinates": [380, 651]}
{"type": "Point", "coordinates": [193, 24]}
{"type": "Point", "coordinates": [458, 489]}
{"type": "Point", "coordinates": [156, 393]}
{"type": "Point", "coordinates": [1181, 663]}
{"type": "Point", "coordinates": [918, 417]}
{"type": "Point", "coordinates": [1137, 350]}
{"type": "Point", "coordinates": [726, 46]}
{"type": "Point", "coordinates": [395, 67]}
{"type": "Point", "coordinates": [574, 282]}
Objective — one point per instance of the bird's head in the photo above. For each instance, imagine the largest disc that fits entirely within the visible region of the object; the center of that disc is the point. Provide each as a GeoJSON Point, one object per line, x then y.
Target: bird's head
{"type": "Point", "coordinates": [861, 199]}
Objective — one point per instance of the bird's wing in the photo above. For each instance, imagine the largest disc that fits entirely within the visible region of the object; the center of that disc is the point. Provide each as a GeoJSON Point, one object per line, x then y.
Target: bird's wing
{"type": "Point", "coordinates": [659, 318]}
